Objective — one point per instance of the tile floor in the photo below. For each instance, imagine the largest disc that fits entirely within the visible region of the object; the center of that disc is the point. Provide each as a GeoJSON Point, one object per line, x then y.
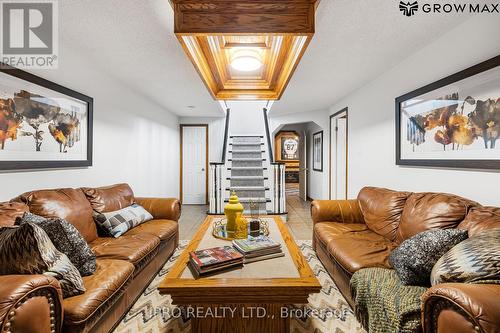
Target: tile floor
{"type": "Point", "coordinates": [298, 218]}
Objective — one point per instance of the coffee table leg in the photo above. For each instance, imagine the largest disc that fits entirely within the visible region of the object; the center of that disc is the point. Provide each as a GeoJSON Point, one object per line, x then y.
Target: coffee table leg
{"type": "Point", "coordinates": [241, 318]}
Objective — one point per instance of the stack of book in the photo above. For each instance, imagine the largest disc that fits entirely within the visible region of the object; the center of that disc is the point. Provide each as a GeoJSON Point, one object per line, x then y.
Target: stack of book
{"type": "Point", "coordinates": [215, 259]}
{"type": "Point", "coordinates": [258, 248]}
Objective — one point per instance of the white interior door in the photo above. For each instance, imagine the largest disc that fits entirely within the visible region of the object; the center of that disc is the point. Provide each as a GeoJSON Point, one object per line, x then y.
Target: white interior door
{"type": "Point", "coordinates": [338, 157]}
{"type": "Point", "coordinates": [303, 166]}
{"type": "Point", "coordinates": [194, 159]}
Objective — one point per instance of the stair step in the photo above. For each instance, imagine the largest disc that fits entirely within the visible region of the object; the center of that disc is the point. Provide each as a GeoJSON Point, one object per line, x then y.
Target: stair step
{"type": "Point", "coordinates": [243, 159]}
{"type": "Point", "coordinates": [248, 200]}
{"type": "Point", "coordinates": [247, 178]}
{"type": "Point", "coordinates": [247, 188]}
{"type": "Point", "coordinates": [246, 144]}
{"type": "Point", "coordinates": [247, 151]}
{"type": "Point", "coordinates": [260, 213]}
{"type": "Point", "coordinates": [247, 168]}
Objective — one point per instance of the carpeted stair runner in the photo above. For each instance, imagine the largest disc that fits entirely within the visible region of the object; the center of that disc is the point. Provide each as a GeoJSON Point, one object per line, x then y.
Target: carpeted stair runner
{"type": "Point", "coordinates": [247, 174]}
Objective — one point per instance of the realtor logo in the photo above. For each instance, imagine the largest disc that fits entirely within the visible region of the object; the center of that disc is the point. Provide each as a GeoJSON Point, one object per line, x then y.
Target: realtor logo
{"type": "Point", "coordinates": [29, 33]}
{"type": "Point", "coordinates": [408, 8]}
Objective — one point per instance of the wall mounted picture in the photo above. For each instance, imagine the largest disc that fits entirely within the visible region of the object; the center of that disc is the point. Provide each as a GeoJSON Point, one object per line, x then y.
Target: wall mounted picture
{"type": "Point", "coordinates": [42, 124]}
{"type": "Point", "coordinates": [289, 148]}
{"type": "Point", "coordinates": [454, 122]}
{"type": "Point", "coordinates": [318, 151]}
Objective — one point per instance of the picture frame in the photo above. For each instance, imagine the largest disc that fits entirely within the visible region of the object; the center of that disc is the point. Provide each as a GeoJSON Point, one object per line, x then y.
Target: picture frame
{"type": "Point", "coordinates": [288, 143]}
{"type": "Point", "coordinates": [43, 125]}
{"type": "Point", "coordinates": [318, 151]}
{"type": "Point", "coordinates": [453, 122]}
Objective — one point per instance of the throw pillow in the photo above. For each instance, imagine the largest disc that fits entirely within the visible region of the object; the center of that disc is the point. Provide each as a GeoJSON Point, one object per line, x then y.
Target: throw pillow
{"type": "Point", "coordinates": [414, 258]}
{"type": "Point", "coordinates": [118, 222]}
{"type": "Point", "coordinates": [67, 239]}
{"type": "Point", "coordinates": [475, 260]}
{"type": "Point", "coordinates": [28, 250]}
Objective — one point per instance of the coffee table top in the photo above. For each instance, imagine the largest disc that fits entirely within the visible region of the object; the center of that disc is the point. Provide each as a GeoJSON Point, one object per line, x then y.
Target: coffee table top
{"type": "Point", "coordinates": [285, 279]}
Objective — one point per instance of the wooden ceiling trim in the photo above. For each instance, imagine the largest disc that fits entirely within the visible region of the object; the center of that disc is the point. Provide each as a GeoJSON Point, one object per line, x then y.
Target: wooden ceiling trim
{"type": "Point", "coordinates": [209, 53]}
{"type": "Point", "coordinates": [286, 43]}
{"type": "Point", "coordinates": [213, 31]}
{"type": "Point", "coordinates": [226, 16]}
{"type": "Point", "coordinates": [193, 50]}
{"type": "Point", "coordinates": [300, 44]}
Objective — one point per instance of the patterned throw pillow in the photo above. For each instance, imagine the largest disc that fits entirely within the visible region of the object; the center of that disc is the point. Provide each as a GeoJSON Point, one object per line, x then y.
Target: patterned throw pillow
{"type": "Point", "coordinates": [118, 222]}
{"type": "Point", "coordinates": [28, 250]}
{"type": "Point", "coordinates": [414, 258]}
{"type": "Point", "coordinates": [475, 260]}
{"type": "Point", "coordinates": [67, 239]}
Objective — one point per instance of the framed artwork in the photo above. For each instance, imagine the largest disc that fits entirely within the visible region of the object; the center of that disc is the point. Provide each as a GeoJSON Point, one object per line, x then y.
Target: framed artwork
{"type": "Point", "coordinates": [454, 122]}
{"type": "Point", "coordinates": [42, 124]}
{"type": "Point", "coordinates": [289, 146]}
{"type": "Point", "coordinates": [318, 151]}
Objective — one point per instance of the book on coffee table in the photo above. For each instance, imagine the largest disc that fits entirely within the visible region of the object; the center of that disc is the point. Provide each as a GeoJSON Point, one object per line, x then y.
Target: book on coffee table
{"type": "Point", "coordinates": [214, 259]}
{"type": "Point", "coordinates": [258, 248]}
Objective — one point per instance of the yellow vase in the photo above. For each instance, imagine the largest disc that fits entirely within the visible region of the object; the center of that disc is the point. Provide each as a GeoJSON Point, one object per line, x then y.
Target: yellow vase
{"type": "Point", "coordinates": [232, 210]}
{"type": "Point", "coordinates": [241, 227]}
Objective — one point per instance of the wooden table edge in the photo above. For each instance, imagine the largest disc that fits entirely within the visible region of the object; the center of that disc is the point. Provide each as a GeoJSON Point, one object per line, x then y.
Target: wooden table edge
{"type": "Point", "coordinates": [307, 280]}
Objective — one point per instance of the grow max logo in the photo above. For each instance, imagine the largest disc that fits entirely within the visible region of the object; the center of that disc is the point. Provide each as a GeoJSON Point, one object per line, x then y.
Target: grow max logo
{"type": "Point", "coordinates": [409, 8]}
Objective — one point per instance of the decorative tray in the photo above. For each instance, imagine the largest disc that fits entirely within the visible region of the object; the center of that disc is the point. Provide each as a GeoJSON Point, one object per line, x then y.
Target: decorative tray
{"type": "Point", "coordinates": [219, 229]}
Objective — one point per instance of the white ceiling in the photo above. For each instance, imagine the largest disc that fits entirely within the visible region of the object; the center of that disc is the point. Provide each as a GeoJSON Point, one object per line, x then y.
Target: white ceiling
{"type": "Point", "coordinates": [355, 41]}
{"type": "Point", "coordinates": [134, 41]}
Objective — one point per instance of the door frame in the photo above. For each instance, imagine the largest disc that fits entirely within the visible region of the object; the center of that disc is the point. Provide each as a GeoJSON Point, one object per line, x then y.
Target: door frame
{"type": "Point", "coordinates": [330, 178]}
{"type": "Point", "coordinates": [206, 160]}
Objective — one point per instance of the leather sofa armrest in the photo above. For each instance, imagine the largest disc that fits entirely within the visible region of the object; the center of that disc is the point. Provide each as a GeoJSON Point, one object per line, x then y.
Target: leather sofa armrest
{"type": "Point", "coordinates": [162, 208]}
{"type": "Point", "coordinates": [343, 211]}
{"type": "Point", "coordinates": [30, 303]}
{"type": "Point", "coordinates": [461, 308]}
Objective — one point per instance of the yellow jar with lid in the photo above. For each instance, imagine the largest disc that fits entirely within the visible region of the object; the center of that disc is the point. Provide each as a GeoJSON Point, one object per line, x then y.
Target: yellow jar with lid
{"type": "Point", "coordinates": [241, 227]}
{"type": "Point", "coordinates": [233, 210]}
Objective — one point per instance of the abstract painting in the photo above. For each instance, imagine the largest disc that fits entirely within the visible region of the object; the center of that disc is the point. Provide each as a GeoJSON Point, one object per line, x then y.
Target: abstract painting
{"type": "Point", "coordinates": [42, 124]}
{"type": "Point", "coordinates": [318, 151]}
{"type": "Point", "coordinates": [454, 122]}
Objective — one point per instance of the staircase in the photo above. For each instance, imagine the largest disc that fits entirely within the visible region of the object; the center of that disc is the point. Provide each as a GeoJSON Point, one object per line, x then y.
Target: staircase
{"type": "Point", "coordinates": [247, 167]}
{"type": "Point", "coordinates": [247, 173]}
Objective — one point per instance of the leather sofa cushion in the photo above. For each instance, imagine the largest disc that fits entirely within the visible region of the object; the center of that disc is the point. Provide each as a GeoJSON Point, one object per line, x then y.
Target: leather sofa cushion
{"type": "Point", "coordinates": [108, 279]}
{"type": "Point", "coordinates": [425, 211]}
{"type": "Point", "coordinates": [327, 231]}
{"type": "Point", "coordinates": [382, 209]}
{"type": "Point", "coordinates": [163, 229]}
{"type": "Point", "coordinates": [9, 211]}
{"type": "Point", "coordinates": [132, 248]}
{"type": "Point", "coordinates": [109, 198]}
{"type": "Point", "coordinates": [65, 203]}
{"type": "Point", "coordinates": [481, 218]}
{"type": "Point", "coordinates": [354, 246]}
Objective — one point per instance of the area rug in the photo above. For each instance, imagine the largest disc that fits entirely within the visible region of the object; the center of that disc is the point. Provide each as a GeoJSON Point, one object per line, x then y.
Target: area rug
{"type": "Point", "coordinates": [327, 311]}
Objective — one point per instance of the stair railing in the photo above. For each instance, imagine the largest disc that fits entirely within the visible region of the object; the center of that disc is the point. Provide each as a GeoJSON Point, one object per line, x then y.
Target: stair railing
{"type": "Point", "coordinates": [276, 175]}
{"type": "Point", "coordinates": [217, 176]}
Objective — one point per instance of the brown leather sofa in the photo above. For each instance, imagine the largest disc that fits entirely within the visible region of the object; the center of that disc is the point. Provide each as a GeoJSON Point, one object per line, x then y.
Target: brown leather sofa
{"type": "Point", "coordinates": [125, 265]}
{"type": "Point", "coordinates": [352, 234]}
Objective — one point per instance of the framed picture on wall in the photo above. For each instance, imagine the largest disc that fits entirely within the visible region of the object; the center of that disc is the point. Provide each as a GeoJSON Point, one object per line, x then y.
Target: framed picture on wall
{"type": "Point", "coordinates": [288, 141]}
{"type": "Point", "coordinates": [454, 122]}
{"type": "Point", "coordinates": [42, 124]}
{"type": "Point", "coordinates": [318, 151]}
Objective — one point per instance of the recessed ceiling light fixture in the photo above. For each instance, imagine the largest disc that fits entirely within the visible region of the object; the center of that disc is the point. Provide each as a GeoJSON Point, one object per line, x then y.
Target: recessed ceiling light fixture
{"type": "Point", "coordinates": [245, 49]}
{"type": "Point", "coordinates": [246, 61]}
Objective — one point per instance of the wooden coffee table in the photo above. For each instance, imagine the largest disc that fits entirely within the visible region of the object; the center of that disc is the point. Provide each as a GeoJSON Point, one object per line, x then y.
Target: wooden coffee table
{"type": "Point", "coordinates": [249, 299]}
